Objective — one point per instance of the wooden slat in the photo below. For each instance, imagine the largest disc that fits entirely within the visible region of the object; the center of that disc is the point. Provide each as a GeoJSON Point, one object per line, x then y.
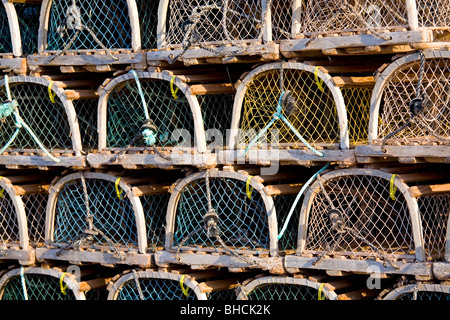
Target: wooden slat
{"type": "Point", "coordinates": [429, 190]}
{"type": "Point", "coordinates": [30, 189]}
{"type": "Point", "coordinates": [212, 88]}
{"type": "Point", "coordinates": [150, 189]}
{"type": "Point", "coordinates": [94, 284]}
{"type": "Point", "coordinates": [354, 81]}
{"type": "Point", "coordinates": [283, 189]}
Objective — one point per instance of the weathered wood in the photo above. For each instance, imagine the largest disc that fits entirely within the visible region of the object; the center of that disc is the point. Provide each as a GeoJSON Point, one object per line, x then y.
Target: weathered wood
{"type": "Point", "coordinates": [81, 94]}
{"type": "Point", "coordinates": [354, 81]}
{"type": "Point", "coordinates": [289, 47]}
{"type": "Point", "coordinates": [283, 189]}
{"type": "Point", "coordinates": [30, 189]}
{"type": "Point", "coordinates": [212, 88]}
{"type": "Point", "coordinates": [217, 285]}
{"type": "Point", "coordinates": [79, 161]}
{"type": "Point", "coordinates": [84, 59]}
{"type": "Point", "coordinates": [429, 190]}
{"type": "Point", "coordinates": [403, 151]}
{"type": "Point", "coordinates": [94, 284]}
{"type": "Point", "coordinates": [151, 189]}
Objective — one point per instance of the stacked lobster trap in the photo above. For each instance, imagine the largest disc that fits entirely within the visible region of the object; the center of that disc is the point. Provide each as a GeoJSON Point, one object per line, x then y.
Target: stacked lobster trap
{"type": "Point", "coordinates": [224, 150]}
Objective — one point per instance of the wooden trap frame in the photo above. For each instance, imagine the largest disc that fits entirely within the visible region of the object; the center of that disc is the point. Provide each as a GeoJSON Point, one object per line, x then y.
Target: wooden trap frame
{"type": "Point", "coordinates": [198, 32]}
{"type": "Point", "coordinates": [307, 286]}
{"type": "Point", "coordinates": [174, 284]}
{"type": "Point", "coordinates": [434, 291]}
{"type": "Point", "coordinates": [23, 198]}
{"type": "Point", "coordinates": [99, 218]}
{"type": "Point", "coordinates": [40, 125]}
{"type": "Point", "coordinates": [88, 34]}
{"type": "Point", "coordinates": [18, 22]}
{"type": "Point", "coordinates": [175, 116]}
{"type": "Point", "coordinates": [62, 282]}
{"type": "Point", "coordinates": [409, 110]}
{"type": "Point", "coordinates": [244, 212]}
{"type": "Point", "coordinates": [357, 219]}
{"type": "Point", "coordinates": [312, 126]}
{"type": "Point", "coordinates": [347, 27]}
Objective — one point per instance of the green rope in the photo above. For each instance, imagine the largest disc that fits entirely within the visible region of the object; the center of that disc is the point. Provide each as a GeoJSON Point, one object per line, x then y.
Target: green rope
{"type": "Point", "coordinates": [11, 107]}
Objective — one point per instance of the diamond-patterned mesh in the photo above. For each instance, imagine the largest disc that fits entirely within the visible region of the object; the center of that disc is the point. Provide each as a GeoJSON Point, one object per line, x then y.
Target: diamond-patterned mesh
{"type": "Point", "coordinates": [434, 213]}
{"type": "Point", "coordinates": [426, 296]}
{"type": "Point", "coordinates": [283, 204]}
{"type": "Point", "coordinates": [400, 90]}
{"type": "Point", "coordinates": [155, 210]}
{"type": "Point", "coordinates": [148, 17]}
{"type": "Point", "coordinates": [433, 13]}
{"type": "Point", "coordinates": [242, 222]}
{"type": "Point", "coordinates": [335, 16]}
{"type": "Point", "coordinates": [35, 205]}
{"type": "Point", "coordinates": [5, 43]}
{"type": "Point", "coordinates": [278, 291]}
{"type": "Point", "coordinates": [38, 287]}
{"type": "Point", "coordinates": [126, 114]}
{"type": "Point", "coordinates": [8, 220]}
{"type": "Point", "coordinates": [155, 289]}
{"type": "Point", "coordinates": [47, 120]}
{"type": "Point", "coordinates": [108, 20]}
{"type": "Point", "coordinates": [241, 18]}
{"type": "Point", "coordinates": [112, 216]}
{"type": "Point", "coordinates": [316, 118]}
{"type": "Point", "coordinates": [357, 102]}
{"type": "Point", "coordinates": [281, 19]}
{"type": "Point", "coordinates": [87, 120]}
{"type": "Point", "coordinates": [366, 207]}
{"type": "Point", "coordinates": [28, 15]}
{"type": "Point", "coordinates": [217, 111]}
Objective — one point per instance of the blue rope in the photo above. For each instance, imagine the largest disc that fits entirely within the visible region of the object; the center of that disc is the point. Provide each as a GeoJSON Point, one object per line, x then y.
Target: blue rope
{"type": "Point", "coordinates": [278, 115]}
{"type": "Point", "coordinates": [11, 108]}
{"type": "Point", "coordinates": [148, 135]}
{"type": "Point", "coordinates": [299, 195]}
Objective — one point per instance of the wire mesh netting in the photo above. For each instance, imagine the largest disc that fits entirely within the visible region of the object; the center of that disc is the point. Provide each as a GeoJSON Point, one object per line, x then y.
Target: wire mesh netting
{"type": "Point", "coordinates": [47, 120]}
{"type": "Point", "coordinates": [433, 13]}
{"type": "Point", "coordinates": [148, 17]}
{"type": "Point", "coordinates": [425, 296]}
{"type": "Point", "coordinates": [281, 12]}
{"type": "Point", "coordinates": [87, 120]}
{"type": "Point", "coordinates": [9, 224]}
{"type": "Point", "coordinates": [28, 16]}
{"type": "Point", "coordinates": [434, 213]}
{"type": "Point", "coordinates": [283, 204]}
{"type": "Point", "coordinates": [325, 16]}
{"type": "Point", "coordinates": [242, 221]}
{"type": "Point", "coordinates": [217, 112]}
{"type": "Point", "coordinates": [155, 209]}
{"type": "Point", "coordinates": [5, 43]}
{"type": "Point", "coordinates": [108, 20]}
{"type": "Point", "coordinates": [126, 115]}
{"type": "Point", "coordinates": [284, 291]}
{"type": "Point", "coordinates": [376, 223]}
{"type": "Point", "coordinates": [433, 123]}
{"type": "Point", "coordinates": [154, 289]}
{"type": "Point", "coordinates": [225, 21]}
{"type": "Point", "coordinates": [316, 117]}
{"type": "Point", "coordinates": [112, 215]}
{"type": "Point", "coordinates": [35, 205]}
{"type": "Point", "coordinates": [357, 101]}
{"type": "Point", "coordinates": [37, 287]}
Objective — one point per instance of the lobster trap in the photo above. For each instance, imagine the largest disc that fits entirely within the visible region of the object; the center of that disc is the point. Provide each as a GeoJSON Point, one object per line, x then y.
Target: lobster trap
{"type": "Point", "coordinates": [290, 105]}
{"type": "Point", "coordinates": [57, 283]}
{"type": "Point", "coordinates": [213, 30]}
{"type": "Point", "coordinates": [23, 197]}
{"type": "Point", "coordinates": [99, 218]}
{"type": "Point", "coordinates": [420, 292]}
{"type": "Point", "coordinates": [156, 103]}
{"type": "Point", "coordinates": [231, 219]}
{"type": "Point", "coordinates": [38, 124]}
{"type": "Point", "coordinates": [355, 27]}
{"type": "Point", "coordinates": [372, 218]}
{"type": "Point", "coordinates": [172, 284]}
{"type": "Point", "coordinates": [109, 29]}
{"type": "Point", "coordinates": [410, 106]}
